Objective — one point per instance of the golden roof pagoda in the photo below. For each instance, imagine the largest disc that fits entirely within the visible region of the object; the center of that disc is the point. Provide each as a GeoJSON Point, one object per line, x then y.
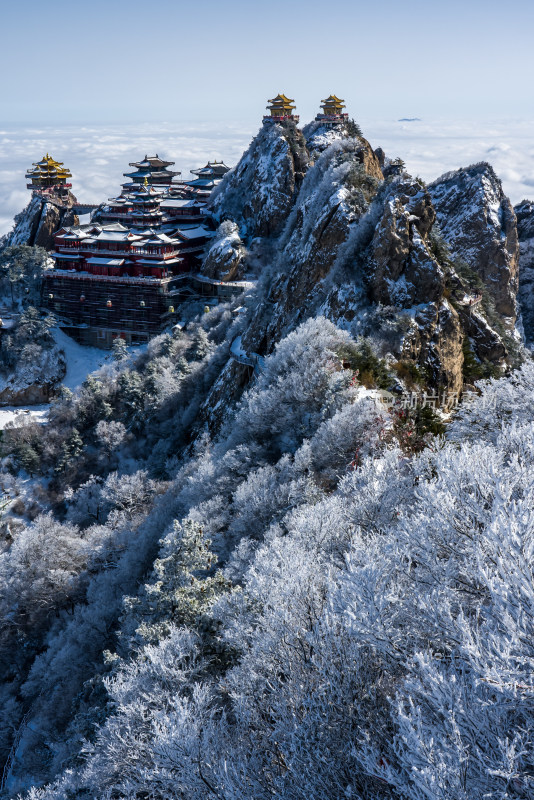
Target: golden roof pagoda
{"type": "Point", "coordinates": [281, 108]}
{"type": "Point", "coordinates": [332, 112]}
{"type": "Point", "coordinates": [332, 105]}
{"type": "Point", "coordinates": [47, 173]}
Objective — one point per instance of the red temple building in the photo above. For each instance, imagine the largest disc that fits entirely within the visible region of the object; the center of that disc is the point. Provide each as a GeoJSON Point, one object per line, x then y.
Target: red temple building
{"type": "Point", "coordinates": [123, 274]}
{"type": "Point", "coordinates": [109, 282]}
{"type": "Point", "coordinates": [182, 211]}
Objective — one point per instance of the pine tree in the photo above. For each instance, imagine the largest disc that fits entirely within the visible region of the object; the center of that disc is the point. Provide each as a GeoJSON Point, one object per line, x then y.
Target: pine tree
{"type": "Point", "coordinates": [184, 585]}
{"type": "Point", "coordinates": [120, 350]}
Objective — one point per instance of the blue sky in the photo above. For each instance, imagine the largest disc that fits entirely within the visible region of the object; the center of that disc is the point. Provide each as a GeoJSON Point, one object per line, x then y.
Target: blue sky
{"type": "Point", "coordinates": [124, 60]}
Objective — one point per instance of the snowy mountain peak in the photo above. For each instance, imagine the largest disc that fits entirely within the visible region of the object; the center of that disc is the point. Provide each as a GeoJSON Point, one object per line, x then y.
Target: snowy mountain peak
{"type": "Point", "coordinates": [259, 192]}
{"type": "Point", "coordinates": [479, 225]}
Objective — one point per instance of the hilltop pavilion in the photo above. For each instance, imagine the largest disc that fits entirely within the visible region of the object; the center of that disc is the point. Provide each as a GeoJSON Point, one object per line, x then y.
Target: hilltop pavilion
{"type": "Point", "coordinates": [281, 108]}
{"type": "Point", "coordinates": [332, 111]}
{"type": "Point", "coordinates": [47, 174]}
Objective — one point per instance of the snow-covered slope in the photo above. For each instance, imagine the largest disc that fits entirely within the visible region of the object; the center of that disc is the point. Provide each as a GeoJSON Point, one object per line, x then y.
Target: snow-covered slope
{"type": "Point", "coordinates": [351, 567]}
{"type": "Point", "coordinates": [259, 192]}
{"type": "Point", "coordinates": [319, 136]}
{"type": "Point", "coordinates": [80, 360]}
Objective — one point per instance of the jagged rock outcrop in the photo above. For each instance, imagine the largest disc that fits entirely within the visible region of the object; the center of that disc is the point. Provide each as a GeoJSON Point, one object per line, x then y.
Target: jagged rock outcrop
{"type": "Point", "coordinates": [318, 236]}
{"type": "Point", "coordinates": [434, 342]}
{"type": "Point", "coordinates": [224, 259]}
{"type": "Point", "coordinates": [319, 136]}
{"type": "Point", "coordinates": [525, 229]}
{"type": "Point", "coordinates": [386, 252]}
{"type": "Point", "coordinates": [401, 270]}
{"type": "Point", "coordinates": [34, 394]}
{"type": "Point", "coordinates": [479, 225]}
{"type": "Point", "coordinates": [259, 193]}
{"type": "Point", "coordinates": [486, 342]}
{"type": "Point", "coordinates": [381, 156]}
{"type": "Point", "coordinates": [40, 220]}
{"type": "Point", "coordinates": [359, 245]}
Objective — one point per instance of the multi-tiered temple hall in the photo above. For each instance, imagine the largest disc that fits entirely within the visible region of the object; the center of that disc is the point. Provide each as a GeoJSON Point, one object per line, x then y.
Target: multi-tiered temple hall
{"type": "Point", "coordinates": [119, 275]}
{"type": "Point", "coordinates": [153, 169]}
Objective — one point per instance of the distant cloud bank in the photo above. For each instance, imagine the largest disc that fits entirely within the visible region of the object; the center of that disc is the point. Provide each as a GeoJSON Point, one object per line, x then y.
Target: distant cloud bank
{"type": "Point", "coordinates": [97, 156]}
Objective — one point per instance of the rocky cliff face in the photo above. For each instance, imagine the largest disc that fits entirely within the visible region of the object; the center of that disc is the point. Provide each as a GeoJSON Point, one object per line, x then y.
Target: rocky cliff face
{"type": "Point", "coordinates": [319, 236]}
{"type": "Point", "coordinates": [40, 220]}
{"type": "Point", "coordinates": [403, 273]}
{"type": "Point", "coordinates": [525, 227]}
{"type": "Point", "coordinates": [401, 269]}
{"type": "Point", "coordinates": [259, 193]}
{"type": "Point", "coordinates": [361, 246]}
{"type": "Point", "coordinates": [478, 223]}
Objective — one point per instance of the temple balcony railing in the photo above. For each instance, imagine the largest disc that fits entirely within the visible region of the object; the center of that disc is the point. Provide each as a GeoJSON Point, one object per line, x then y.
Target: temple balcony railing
{"type": "Point", "coordinates": [89, 276]}
{"type": "Point", "coordinates": [132, 216]}
{"type": "Point", "coordinates": [141, 251]}
{"type": "Point", "coordinates": [48, 190]}
{"type": "Point", "coordinates": [108, 212]}
{"type": "Point", "coordinates": [331, 117]}
{"type": "Point", "coordinates": [282, 118]}
{"type": "Point", "coordinates": [181, 217]}
{"type": "Point", "coordinates": [92, 250]}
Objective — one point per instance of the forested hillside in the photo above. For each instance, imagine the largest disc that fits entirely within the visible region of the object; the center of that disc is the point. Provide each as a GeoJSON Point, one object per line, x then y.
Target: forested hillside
{"type": "Point", "coordinates": [229, 570]}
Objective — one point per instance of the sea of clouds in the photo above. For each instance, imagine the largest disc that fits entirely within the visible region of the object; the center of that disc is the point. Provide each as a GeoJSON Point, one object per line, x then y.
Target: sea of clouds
{"type": "Point", "coordinates": [98, 155]}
